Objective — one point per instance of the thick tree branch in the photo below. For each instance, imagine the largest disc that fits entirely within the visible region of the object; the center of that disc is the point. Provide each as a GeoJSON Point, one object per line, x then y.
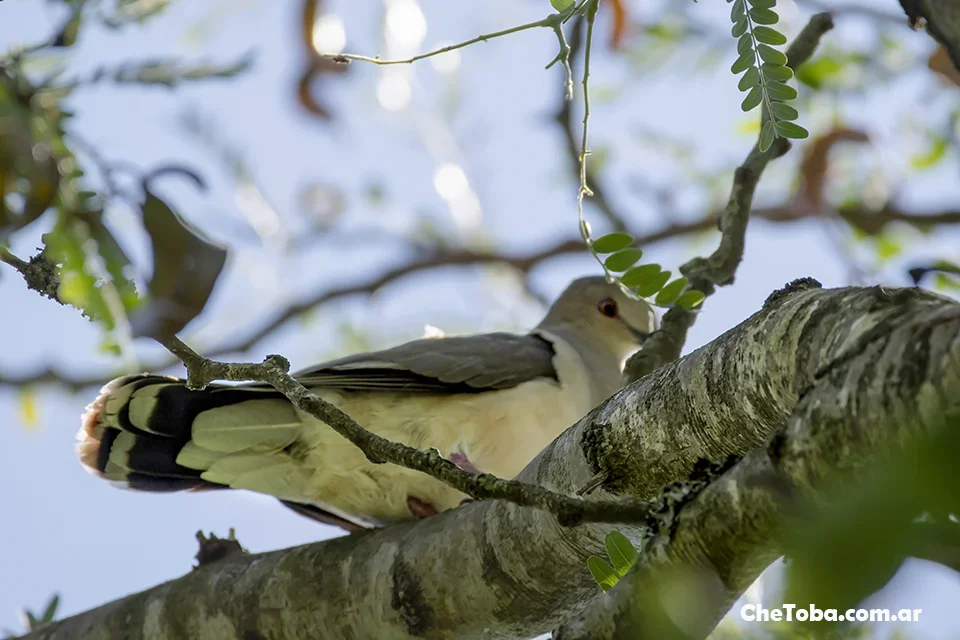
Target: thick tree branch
{"type": "Point", "coordinates": [850, 372]}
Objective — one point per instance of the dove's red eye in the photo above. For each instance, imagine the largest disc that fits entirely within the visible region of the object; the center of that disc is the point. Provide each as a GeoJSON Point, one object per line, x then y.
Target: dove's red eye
{"type": "Point", "coordinates": [608, 307]}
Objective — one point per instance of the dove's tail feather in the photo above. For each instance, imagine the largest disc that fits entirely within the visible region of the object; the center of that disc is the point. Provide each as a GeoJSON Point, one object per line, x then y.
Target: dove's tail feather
{"type": "Point", "coordinates": [152, 433]}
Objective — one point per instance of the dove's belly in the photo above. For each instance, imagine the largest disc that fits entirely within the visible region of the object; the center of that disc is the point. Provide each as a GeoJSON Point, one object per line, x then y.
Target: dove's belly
{"type": "Point", "coordinates": [499, 432]}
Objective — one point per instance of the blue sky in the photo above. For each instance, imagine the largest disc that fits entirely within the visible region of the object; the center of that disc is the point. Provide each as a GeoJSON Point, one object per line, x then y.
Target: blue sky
{"type": "Point", "coordinates": [69, 532]}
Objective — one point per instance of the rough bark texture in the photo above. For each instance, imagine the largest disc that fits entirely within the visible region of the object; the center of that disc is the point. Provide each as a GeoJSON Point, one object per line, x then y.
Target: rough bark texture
{"type": "Point", "coordinates": [816, 382]}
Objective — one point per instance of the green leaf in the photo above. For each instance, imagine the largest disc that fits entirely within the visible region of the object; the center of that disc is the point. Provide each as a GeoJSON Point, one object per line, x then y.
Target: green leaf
{"type": "Point", "coordinates": [750, 79]}
{"type": "Point", "coordinates": [690, 299]}
{"type": "Point", "coordinates": [945, 282]}
{"type": "Point", "coordinates": [185, 269]}
{"type": "Point", "coordinates": [888, 247]}
{"type": "Point", "coordinates": [602, 572]}
{"type": "Point", "coordinates": [652, 285]}
{"type": "Point", "coordinates": [738, 10]}
{"type": "Point", "coordinates": [739, 28]}
{"type": "Point", "coordinates": [770, 55]}
{"type": "Point", "coordinates": [51, 611]}
{"type": "Point", "coordinates": [671, 291]}
{"type": "Point", "coordinates": [767, 135]}
{"type": "Point", "coordinates": [791, 130]}
{"type": "Point", "coordinates": [561, 5]}
{"type": "Point", "coordinates": [752, 100]}
{"type": "Point", "coordinates": [764, 16]}
{"type": "Point", "coordinates": [776, 72]}
{"type": "Point", "coordinates": [780, 91]}
{"type": "Point", "coordinates": [623, 259]}
{"type": "Point", "coordinates": [816, 72]}
{"type": "Point", "coordinates": [763, 4]}
{"type": "Point", "coordinates": [783, 111]}
{"type": "Point", "coordinates": [638, 275]}
{"type": "Point", "coordinates": [934, 155]}
{"type": "Point", "coordinates": [743, 63]}
{"type": "Point", "coordinates": [745, 44]}
{"type": "Point", "coordinates": [768, 35]}
{"type": "Point", "coordinates": [620, 551]}
{"type": "Point", "coordinates": [612, 242]}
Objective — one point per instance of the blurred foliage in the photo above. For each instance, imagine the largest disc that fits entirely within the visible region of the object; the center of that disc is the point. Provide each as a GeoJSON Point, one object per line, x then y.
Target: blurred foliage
{"type": "Point", "coordinates": [905, 505]}
{"type": "Point", "coordinates": [43, 167]}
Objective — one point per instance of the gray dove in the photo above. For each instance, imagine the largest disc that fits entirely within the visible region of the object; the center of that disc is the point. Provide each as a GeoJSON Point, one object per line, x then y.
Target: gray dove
{"type": "Point", "coordinates": [489, 402]}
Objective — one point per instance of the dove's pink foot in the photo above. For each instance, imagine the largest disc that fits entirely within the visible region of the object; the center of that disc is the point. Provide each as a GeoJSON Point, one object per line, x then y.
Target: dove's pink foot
{"type": "Point", "coordinates": [462, 461]}
{"type": "Point", "coordinates": [420, 509]}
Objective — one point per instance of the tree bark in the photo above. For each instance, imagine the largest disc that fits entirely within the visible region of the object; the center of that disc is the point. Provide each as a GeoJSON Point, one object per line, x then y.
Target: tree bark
{"type": "Point", "coordinates": [816, 382]}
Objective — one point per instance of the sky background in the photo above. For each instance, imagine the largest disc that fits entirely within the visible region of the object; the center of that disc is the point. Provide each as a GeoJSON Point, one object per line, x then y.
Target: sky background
{"type": "Point", "coordinates": [465, 146]}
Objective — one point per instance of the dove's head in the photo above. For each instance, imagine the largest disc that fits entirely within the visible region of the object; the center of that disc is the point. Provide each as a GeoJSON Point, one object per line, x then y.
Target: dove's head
{"type": "Point", "coordinates": [599, 312]}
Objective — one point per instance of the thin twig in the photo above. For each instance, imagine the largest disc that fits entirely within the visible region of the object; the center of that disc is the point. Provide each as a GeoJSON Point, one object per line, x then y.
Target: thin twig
{"type": "Point", "coordinates": [564, 119]}
{"type": "Point", "coordinates": [584, 189]}
{"type": "Point", "coordinates": [552, 21]}
{"type": "Point", "coordinates": [273, 370]}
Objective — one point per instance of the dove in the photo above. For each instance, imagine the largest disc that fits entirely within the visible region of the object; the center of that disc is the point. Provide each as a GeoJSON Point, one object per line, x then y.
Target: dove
{"type": "Point", "coordinates": [488, 402]}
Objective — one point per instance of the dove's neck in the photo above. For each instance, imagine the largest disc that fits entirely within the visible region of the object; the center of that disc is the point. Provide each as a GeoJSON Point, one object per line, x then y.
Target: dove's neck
{"type": "Point", "coordinates": [601, 363]}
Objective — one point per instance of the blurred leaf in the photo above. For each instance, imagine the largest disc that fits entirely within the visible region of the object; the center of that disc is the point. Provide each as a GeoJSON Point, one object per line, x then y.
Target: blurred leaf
{"type": "Point", "coordinates": [170, 73]}
{"type": "Point", "coordinates": [944, 282]}
{"type": "Point", "coordinates": [29, 415]}
{"type": "Point", "coordinates": [887, 247]}
{"type": "Point", "coordinates": [68, 34]}
{"type": "Point", "coordinates": [561, 5]}
{"type": "Point", "coordinates": [602, 572]}
{"type": "Point", "coordinates": [65, 246]}
{"type": "Point", "coordinates": [848, 549]}
{"type": "Point", "coordinates": [185, 269]}
{"type": "Point", "coordinates": [941, 64]}
{"type": "Point", "coordinates": [933, 155]}
{"type": "Point", "coordinates": [620, 551]}
{"type": "Point", "coordinates": [819, 70]}
{"type": "Point", "coordinates": [130, 11]}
